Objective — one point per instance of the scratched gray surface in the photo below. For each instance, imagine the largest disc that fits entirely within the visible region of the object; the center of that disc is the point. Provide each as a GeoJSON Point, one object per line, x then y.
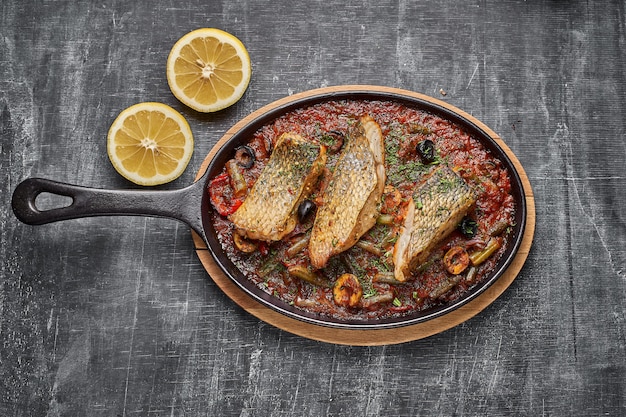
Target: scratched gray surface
{"type": "Point", "coordinates": [117, 317]}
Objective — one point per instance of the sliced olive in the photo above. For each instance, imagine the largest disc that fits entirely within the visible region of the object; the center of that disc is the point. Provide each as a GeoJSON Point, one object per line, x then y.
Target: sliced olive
{"type": "Point", "coordinates": [347, 290]}
{"type": "Point", "coordinates": [426, 151]}
{"type": "Point", "coordinates": [456, 260]}
{"type": "Point", "coordinates": [468, 227]}
{"type": "Point", "coordinates": [244, 155]}
{"type": "Point", "coordinates": [305, 209]}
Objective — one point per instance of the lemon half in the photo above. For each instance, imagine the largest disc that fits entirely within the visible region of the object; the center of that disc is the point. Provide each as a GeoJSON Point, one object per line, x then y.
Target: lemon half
{"type": "Point", "coordinates": [208, 69]}
{"type": "Point", "coordinates": [150, 143]}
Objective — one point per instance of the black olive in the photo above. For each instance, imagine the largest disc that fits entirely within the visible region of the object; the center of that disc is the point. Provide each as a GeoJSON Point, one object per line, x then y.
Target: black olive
{"type": "Point", "coordinates": [334, 139]}
{"type": "Point", "coordinates": [426, 151]}
{"type": "Point", "coordinates": [305, 209]}
{"type": "Point", "coordinates": [468, 227]}
{"type": "Point", "coordinates": [244, 155]}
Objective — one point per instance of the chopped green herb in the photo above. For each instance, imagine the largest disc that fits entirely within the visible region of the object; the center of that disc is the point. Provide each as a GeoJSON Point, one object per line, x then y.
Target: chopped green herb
{"type": "Point", "coordinates": [270, 266]}
{"type": "Point", "coordinates": [392, 158]}
{"type": "Point", "coordinates": [369, 292]}
{"type": "Point", "coordinates": [446, 184]}
{"type": "Point", "coordinates": [381, 265]}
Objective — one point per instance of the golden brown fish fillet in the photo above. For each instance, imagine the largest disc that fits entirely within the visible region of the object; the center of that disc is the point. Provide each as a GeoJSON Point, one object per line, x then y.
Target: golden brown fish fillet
{"type": "Point", "coordinates": [351, 198]}
{"type": "Point", "coordinates": [269, 212]}
{"type": "Point", "coordinates": [434, 212]}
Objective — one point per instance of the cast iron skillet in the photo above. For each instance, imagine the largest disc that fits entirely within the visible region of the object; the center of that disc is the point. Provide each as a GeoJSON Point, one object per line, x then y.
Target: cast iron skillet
{"type": "Point", "coordinates": [191, 204]}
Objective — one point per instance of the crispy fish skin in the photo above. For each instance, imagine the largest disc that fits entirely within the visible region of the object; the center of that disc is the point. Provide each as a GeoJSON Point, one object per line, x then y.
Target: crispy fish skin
{"type": "Point", "coordinates": [351, 199]}
{"type": "Point", "coordinates": [435, 210]}
{"type": "Point", "coordinates": [269, 212]}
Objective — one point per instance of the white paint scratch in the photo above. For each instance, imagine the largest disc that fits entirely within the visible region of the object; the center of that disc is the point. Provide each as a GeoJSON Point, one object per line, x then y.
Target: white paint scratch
{"type": "Point", "coordinates": [599, 232]}
{"type": "Point", "coordinates": [562, 141]}
{"type": "Point", "coordinates": [253, 382]}
{"type": "Point", "coordinates": [499, 347]}
{"type": "Point", "coordinates": [74, 363]}
{"type": "Point", "coordinates": [472, 77]}
{"type": "Point", "coordinates": [134, 326]}
{"type": "Point", "coordinates": [56, 336]}
{"type": "Point", "coordinates": [376, 384]}
{"type": "Point", "coordinates": [331, 381]}
{"type": "Point", "coordinates": [569, 178]}
{"type": "Point", "coordinates": [295, 395]}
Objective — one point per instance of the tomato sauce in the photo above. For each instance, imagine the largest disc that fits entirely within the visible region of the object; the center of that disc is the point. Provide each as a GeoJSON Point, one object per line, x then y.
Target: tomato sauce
{"type": "Point", "coordinates": [370, 260]}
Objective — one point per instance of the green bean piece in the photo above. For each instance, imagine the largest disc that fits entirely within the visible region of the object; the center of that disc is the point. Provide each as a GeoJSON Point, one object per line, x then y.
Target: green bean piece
{"type": "Point", "coordinates": [444, 287]}
{"type": "Point", "coordinates": [499, 228]}
{"type": "Point", "coordinates": [268, 267]}
{"type": "Point", "coordinates": [471, 274]}
{"type": "Point", "coordinates": [303, 273]}
{"type": "Point", "coordinates": [479, 257]}
{"type": "Point", "coordinates": [386, 278]}
{"type": "Point", "coordinates": [369, 247]}
{"type": "Point", "coordinates": [368, 302]}
{"type": "Point", "coordinates": [298, 246]}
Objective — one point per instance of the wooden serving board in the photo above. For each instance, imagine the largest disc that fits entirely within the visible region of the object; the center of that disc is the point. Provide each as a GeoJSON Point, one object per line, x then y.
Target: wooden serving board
{"type": "Point", "coordinates": [382, 336]}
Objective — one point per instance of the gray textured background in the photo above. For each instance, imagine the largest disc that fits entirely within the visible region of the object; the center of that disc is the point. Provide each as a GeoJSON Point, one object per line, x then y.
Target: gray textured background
{"type": "Point", "coordinates": [117, 317]}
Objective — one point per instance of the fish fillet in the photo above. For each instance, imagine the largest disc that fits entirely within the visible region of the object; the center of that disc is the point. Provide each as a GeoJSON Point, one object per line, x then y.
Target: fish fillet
{"type": "Point", "coordinates": [351, 198]}
{"type": "Point", "coordinates": [433, 213]}
{"type": "Point", "coordinates": [269, 212]}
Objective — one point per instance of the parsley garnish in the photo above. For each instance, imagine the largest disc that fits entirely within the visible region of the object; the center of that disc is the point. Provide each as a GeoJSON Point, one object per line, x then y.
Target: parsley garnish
{"type": "Point", "coordinates": [369, 292]}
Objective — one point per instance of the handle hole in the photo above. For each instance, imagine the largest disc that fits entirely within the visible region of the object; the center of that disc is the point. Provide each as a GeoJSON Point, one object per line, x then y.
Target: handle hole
{"type": "Point", "coordinates": [48, 201]}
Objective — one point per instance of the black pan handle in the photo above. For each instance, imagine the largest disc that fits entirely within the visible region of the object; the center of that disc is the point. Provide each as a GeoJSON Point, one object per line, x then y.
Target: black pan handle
{"type": "Point", "coordinates": [183, 204]}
